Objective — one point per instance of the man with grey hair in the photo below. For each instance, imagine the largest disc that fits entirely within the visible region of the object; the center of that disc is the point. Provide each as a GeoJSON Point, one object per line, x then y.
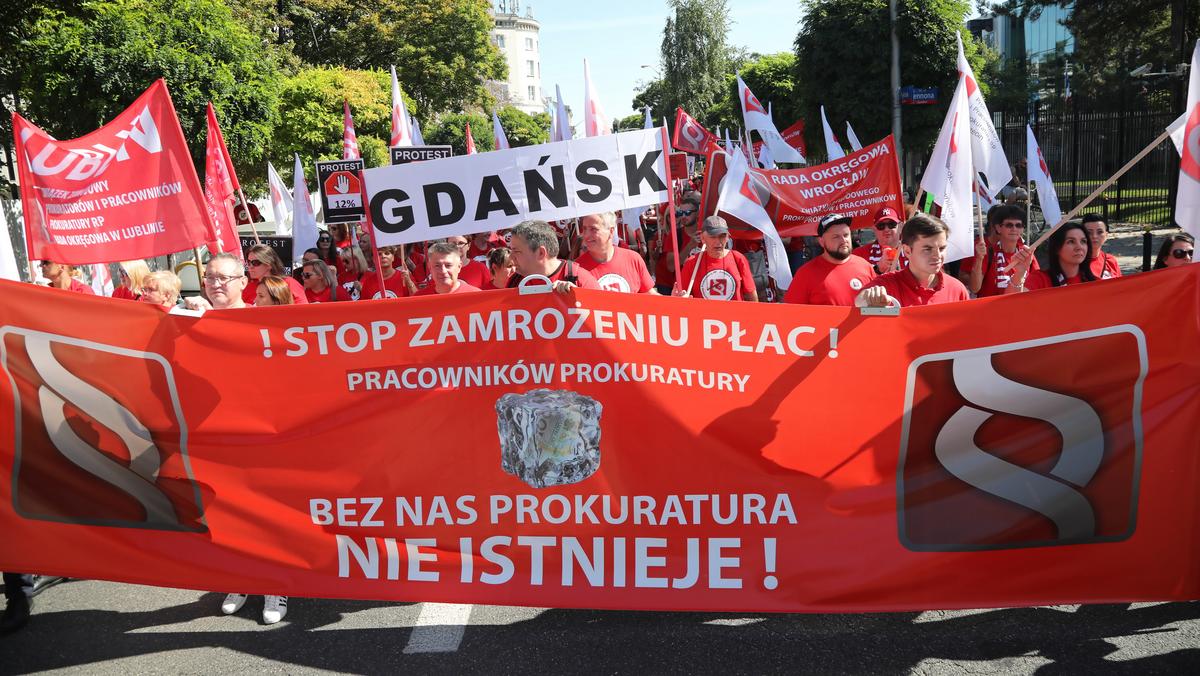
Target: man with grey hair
{"type": "Point", "coordinates": [445, 261]}
{"type": "Point", "coordinates": [717, 272]}
{"type": "Point", "coordinates": [614, 268]}
{"type": "Point", "coordinates": [534, 248]}
{"type": "Point", "coordinates": [224, 279]}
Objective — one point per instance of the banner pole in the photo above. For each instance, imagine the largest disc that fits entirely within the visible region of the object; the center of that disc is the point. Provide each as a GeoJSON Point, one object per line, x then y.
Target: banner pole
{"type": "Point", "coordinates": [199, 275]}
{"type": "Point", "coordinates": [362, 187]}
{"type": "Point", "coordinates": [249, 217]}
{"type": "Point", "coordinates": [671, 205]}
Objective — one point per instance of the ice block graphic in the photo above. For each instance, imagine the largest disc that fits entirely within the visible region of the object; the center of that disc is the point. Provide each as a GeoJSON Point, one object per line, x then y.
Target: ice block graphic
{"type": "Point", "coordinates": [549, 437]}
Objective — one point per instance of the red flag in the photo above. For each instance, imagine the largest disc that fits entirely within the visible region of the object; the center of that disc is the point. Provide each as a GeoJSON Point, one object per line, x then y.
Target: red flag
{"type": "Point", "coordinates": [125, 191]}
{"type": "Point", "coordinates": [220, 188]}
{"type": "Point", "coordinates": [691, 136]}
{"type": "Point", "coordinates": [794, 136]}
{"type": "Point", "coordinates": [470, 141]}
{"type": "Point", "coordinates": [349, 140]}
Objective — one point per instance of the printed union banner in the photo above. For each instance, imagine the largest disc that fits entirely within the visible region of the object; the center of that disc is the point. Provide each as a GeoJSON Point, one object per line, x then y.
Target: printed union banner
{"type": "Point", "coordinates": [613, 451]}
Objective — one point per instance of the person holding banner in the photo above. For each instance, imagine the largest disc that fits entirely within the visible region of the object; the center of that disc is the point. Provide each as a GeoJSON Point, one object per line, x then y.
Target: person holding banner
{"type": "Point", "coordinates": [1103, 265]}
{"type": "Point", "coordinates": [445, 262]}
{"type": "Point", "coordinates": [320, 284]}
{"type": "Point", "coordinates": [923, 281]}
{"type": "Point", "coordinates": [534, 248]}
{"type": "Point", "coordinates": [984, 273]}
{"type": "Point", "coordinates": [224, 283]}
{"type": "Point", "coordinates": [133, 273]}
{"type": "Point", "coordinates": [262, 261]}
{"type": "Point", "coordinates": [717, 272]}
{"type": "Point", "coordinates": [161, 289]}
{"type": "Point", "coordinates": [887, 224]}
{"type": "Point", "coordinates": [397, 282]}
{"type": "Point", "coordinates": [62, 276]}
{"type": "Point", "coordinates": [1176, 250]}
{"type": "Point", "coordinates": [615, 268]}
{"type": "Point", "coordinates": [837, 275]}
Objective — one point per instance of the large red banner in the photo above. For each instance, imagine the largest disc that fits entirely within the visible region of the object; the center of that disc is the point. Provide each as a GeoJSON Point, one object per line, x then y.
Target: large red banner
{"type": "Point", "coordinates": [125, 191]}
{"type": "Point", "coordinates": [857, 185]}
{"type": "Point", "coordinates": [613, 451]}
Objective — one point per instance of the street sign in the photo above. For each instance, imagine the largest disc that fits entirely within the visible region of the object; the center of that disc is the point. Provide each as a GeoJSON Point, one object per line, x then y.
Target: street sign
{"type": "Point", "coordinates": [918, 96]}
{"type": "Point", "coordinates": [406, 154]}
{"type": "Point", "coordinates": [341, 190]}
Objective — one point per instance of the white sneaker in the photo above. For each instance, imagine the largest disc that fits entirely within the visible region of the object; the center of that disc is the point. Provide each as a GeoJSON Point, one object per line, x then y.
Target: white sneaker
{"type": "Point", "coordinates": [233, 603]}
{"type": "Point", "coordinates": [274, 608]}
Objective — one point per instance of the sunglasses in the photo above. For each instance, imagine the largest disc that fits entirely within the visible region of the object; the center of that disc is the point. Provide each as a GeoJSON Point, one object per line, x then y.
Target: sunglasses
{"type": "Point", "coordinates": [45, 263]}
{"type": "Point", "coordinates": [1183, 253]}
{"type": "Point", "coordinates": [885, 226]}
{"type": "Point", "coordinates": [254, 263]}
{"type": "Point", "coordinates": [324, 239]}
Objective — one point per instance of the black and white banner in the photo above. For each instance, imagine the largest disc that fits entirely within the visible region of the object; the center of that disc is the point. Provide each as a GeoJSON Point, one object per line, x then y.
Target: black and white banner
{"type": "Point", "coordinates": [491, 191]}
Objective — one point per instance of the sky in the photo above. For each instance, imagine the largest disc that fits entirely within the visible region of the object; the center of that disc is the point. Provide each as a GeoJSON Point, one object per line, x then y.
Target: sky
{"type": "Point", "coordinates": [619, 37]}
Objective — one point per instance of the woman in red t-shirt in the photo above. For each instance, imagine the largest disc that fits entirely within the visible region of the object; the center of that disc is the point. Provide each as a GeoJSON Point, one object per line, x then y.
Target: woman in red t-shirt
{"type": "Point", "coordinates": [133, 275]}
{"type": "Point", "coordinates": [502, 267]}
{"type": "Point", "coordinates": [1070, 250]}
{"type": "Point", "coordinates": [320, 284]}
{"type": "Point", "coordinates": [352, 265]}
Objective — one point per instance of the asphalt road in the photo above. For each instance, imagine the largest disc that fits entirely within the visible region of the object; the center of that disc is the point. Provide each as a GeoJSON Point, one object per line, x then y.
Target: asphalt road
{"type": "Point", "coordinates": [87, 627]}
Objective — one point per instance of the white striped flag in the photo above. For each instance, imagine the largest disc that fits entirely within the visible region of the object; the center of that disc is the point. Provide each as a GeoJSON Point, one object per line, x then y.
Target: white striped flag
{"type": "Point", "coordinates": [349, 138]}
{"type": "Point", "coordinates": [499, 140]}
{"type": "Point", "coordinates": [401, 127]}
{"type": "Point", "coordinates": [833, 147]}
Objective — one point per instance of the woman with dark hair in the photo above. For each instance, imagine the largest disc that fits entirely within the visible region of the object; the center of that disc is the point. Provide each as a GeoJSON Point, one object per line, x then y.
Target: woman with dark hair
{"type": "Point", "coordinates": [326, 250]}
{"type": "Point", "coordinates": [501, 265]}
{"type": "Point", "coordinates": [1068, 260]}
{"type": "Point", "coordinates": [1176, 250]}
{"type": "Point", "coordinates": [262, 261]}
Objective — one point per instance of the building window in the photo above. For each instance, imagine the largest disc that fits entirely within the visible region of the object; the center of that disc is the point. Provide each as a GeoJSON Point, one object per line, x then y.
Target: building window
{"type": "Point", "coordinates": [532, 93]}
{"type": "Point", "coordinates": [528, 43]}
{"type": "Point", "coordinates": [530, 65]}
{"type": "Point", "coordinates": [500, 41]}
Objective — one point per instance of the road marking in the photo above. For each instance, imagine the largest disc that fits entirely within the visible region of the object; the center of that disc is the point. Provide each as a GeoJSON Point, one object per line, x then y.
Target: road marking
{"type": "Point", "coordinates": [439, 628]}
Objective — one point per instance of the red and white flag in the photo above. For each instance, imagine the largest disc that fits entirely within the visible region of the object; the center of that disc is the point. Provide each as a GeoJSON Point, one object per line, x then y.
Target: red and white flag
{"type": "Point", "coordinates": [758, 119]}
{"type": "Point", "coordinates": [1039, 175]}
{"type": "Point", "coordinates": [499, 140]}
{"type": "Point", "coordinates": [304, 222]}
{"type": "Point", "coordinates": [986, 151]}
{"type": "Point", "coordinates": [739, 197]}
{"type": "Point", "coordinates": [349, 138]}
{"type": "Point", "coordinates": [220, 190]}
{"type": "Point", "coordinates": [281, 202]}
{"type": "Point", "coordinates": [595, 122]}
{"type": "Point", "coordinates": [401, 127]}
{"type": "Point", "coordinates": [948, 177]}
{"type": "Point", "coordinates": [833, 147]}
{"type": "Point", "coordinates": [470, 141]}
{"type": "Point", "coordinates": [1187, 200]}
{"type": "Point", "coordinates": [102, 283]}
{"type": "Point", "coordinates": [126, 191]}
{"type": "Point", "coordinates": [691, 136]}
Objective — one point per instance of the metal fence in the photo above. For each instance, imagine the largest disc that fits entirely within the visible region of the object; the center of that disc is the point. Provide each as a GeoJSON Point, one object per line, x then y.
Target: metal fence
{"type": "Point", "coordinates": [1084, 147]}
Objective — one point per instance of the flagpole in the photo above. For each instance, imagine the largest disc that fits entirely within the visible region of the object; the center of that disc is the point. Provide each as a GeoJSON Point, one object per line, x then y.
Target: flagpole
{"type": "Point", "coordinates": [362, 187]}
{"type": "Point", "coordinates": [249, 216]}
{"type": "Point", "coordinates": [671, 205]}
{"type": "Point", "coordinates": [1097, 192]}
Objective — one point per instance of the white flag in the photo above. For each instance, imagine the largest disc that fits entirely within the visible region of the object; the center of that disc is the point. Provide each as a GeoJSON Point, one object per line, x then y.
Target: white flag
{"type": "Point", "coordinates": [948, 176]}
{"type": "Point", "coordinates": [648, 123]}
{"type": "Point", "coordinates": [595, 122]}
{"type": "Point", "coordinates": [304, 223]}
{"type": "Point", "coordinates": [764, 157]}
{"type": "Point", "coordinates": [401, 127]}
{"type": "Point", "coordinates": [1187, 198]}
{"type": "Point", "coordinates": [417, 138]}
{"type": "Point", "coordinates": [852, 137]}
{"type": "Point", "coordinates": [499, 140]}
{"type": "Point", "coordinates": [757, 119]}
{"type": "Point", "coordinates": [102, 283]}
{"type": "Point", "coordinates": [281, 202]}
{"type": "Point", "coordinates": [833, 147]}
{"type": "Point", "coordinates": [737, 197]}
{"type": "Point", "coordinates": [1039, 175]}
{"type": "Point", "coordinates": [1175, 130]}
{"type": "Point", "coordinates": [986, 151]}
{"type": "Point", "coordinates": [8, 259]}
{"type": "Point", "coordinates": [562, 132]}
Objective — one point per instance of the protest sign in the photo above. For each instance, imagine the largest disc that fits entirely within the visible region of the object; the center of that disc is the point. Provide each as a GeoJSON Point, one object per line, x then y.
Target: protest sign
{"type": "Point", "coordinates": [857, 185]}
{"type": "Point", "coordinates": [282, 244]}
{"type": "Point", "coordinates": [125, 191]}
{"type": "Point", "coordinates": [613, 450]}
{"type": "Point", "coordinates": [406, 154]}
{"type": "Point", "coordinates": [341, 190]}
{"type": "Point", "coordinates": [496, 190]}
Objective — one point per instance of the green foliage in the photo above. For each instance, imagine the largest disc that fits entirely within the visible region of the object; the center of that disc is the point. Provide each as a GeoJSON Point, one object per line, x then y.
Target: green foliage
{"type": "Point", "coordinates": [695, 57]}
{"type": "Point", "coordinates": [523, 129]}
{"type": "Point", "coordinates": [452, 130]}
{"type": "Point", "coordinates": [653, 94]}
{"type": "Point", "coordinates": [772, 79]}
{"type": "Point", "coordinates": [851, 76]}
{"type": "Point", "coordinates": [631, 122]}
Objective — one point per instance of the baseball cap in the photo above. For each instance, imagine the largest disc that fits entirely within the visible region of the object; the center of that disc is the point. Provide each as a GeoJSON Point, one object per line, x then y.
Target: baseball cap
{"type": "Point", "coordinates": [830, 220]}
{"type": "Point", "coordinates": [715, 225]}
{"type": "Point", "coordinates": [886, 215]}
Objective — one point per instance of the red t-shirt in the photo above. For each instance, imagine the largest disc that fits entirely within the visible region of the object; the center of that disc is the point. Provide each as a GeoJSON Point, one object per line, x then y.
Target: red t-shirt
{"type": "Point", "coordinates": [583, 278]}
{"type": "Point", "coordinates": [122, 292]}
{"type": "Point", "coordinates": [820, 282]}
{"type": "Point", "coordinates": [476, 274]}
{"type": "Point", "coordinates": [725, 278]}
{"type": "Point", "coordinates": [431, 290]}
{"type": "Point", "coordinates": [394, 285]}
{"type": "Point", "coordinates": [1104, 266]}
{"type": "Point", "coordinates": [903, 286]}
{"type": "Point", "coordinates": [664, 272]}
{"type": "Point", "coordinates": [625, 271]}
{"type": "Point", "coordinates": [324, 296]}
{"type": "Point", "coordinates": [995, 281]}
{"type": "Point", "coordinates": [79, 287]}
{"type": "Point", "coordinates": [251, 291]}
{"type": "Point", "coordinates": [1040, 279]}
{"type": "Point", "coordinates": [873, 252]}
{"type": "Point", "coordinates": [495, 241]}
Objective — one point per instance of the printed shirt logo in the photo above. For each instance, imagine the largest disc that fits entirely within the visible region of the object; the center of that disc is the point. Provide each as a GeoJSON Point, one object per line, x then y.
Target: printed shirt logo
{"type": "Point", "coordinates": [613, 282]}
{"type": "Point", "coordinates": [717, 285]}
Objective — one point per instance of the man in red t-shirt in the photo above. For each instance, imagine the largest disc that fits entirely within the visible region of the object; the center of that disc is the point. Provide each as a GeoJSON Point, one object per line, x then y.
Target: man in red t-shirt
{"type": "Point", "coordinates": [663, 252]}
{"type": "Point", "coordinates": [984, 272]}
{"type": "Point", "coordinates": [1104, 265]}
{"type": "Point", "coordinates": [473, 272]}
{"type": "Point", "coordinates": [614, 268]}
{"type": "Point", "coordinates": [836, 276]}
{"type": "Point", "coordinates": [922, 281]}
{"type": "Point", "coordinates": [717, 272]}
{"type": "Point", "coordinates": [445, 262]}
{"type": "Point", "coordinates": [534, 247]}
{"type": "Point", "coordinates": [481, 244]}
{"type": "Point", "coordinates": [396, 282]}
{"type": "Point", "coordinates": [887, 225]}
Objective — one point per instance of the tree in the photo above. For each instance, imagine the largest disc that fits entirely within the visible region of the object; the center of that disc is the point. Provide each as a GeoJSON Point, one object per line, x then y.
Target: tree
{"type": "Point", "coordinates": [452, 130]}
{"type": "Point", "coordinates": [442, 49]}
{"type": "Point", "coordinates": [653, 94]}
{"type": "Point", "coordinates": [695, 57]}
{"type": "Point", "coordinates": [632, 122]}
{"type": "Point", "coordinates": [79, 67]}
{"type": "Point", "coordinates": [772, 79]}
{"type": "Point", "coordinates": [840, 60]}
{"type": "Point", "coordinates": [523, 129]}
